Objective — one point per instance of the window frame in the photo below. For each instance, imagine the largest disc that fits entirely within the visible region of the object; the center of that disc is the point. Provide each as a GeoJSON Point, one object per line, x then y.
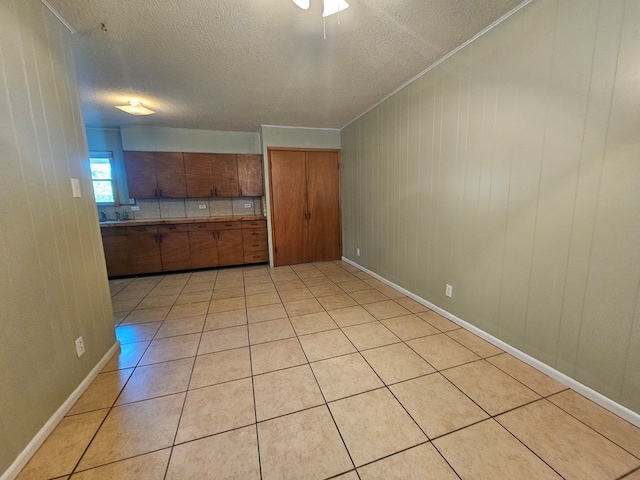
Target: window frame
{"type": "Point", "coordinates": [114, 184]}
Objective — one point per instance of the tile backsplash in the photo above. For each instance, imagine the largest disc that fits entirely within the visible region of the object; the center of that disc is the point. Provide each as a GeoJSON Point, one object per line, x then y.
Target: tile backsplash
{"type": "Point", "coordinates": [187, 208]}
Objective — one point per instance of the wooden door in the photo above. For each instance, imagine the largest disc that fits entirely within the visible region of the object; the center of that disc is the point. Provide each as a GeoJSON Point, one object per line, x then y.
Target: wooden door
{"type": "Point", "coordinates": [250, 178]}
{"type": "Point", "coordinates": [323, 197]}
{"type": "Point", "coordinates": [197, 168]}
{"type": "Point", "coordinates": [203, 246]}
{"type": "Point", "coordinates": [224, 170]}
{"type": "Point", "coordinates": [116, 254]}
{"type": "Point", "coordinates": [174, 247]}
{"type": "Point", "coordinates": [170, 174]}
{"type": "Point", "coordinates": [288, 206]}
{"type": "Point", "coordinates": [229, 243]}
{"type": "Point", "coordinates": [141, 174]}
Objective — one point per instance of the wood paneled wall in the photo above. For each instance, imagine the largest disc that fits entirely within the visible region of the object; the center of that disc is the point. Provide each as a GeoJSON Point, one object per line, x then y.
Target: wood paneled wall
{"type": "Point", "coordinates": [512, 171]}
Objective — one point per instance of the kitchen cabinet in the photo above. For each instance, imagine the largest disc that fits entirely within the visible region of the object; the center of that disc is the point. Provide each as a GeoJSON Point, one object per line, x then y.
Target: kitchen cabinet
{"type": "Point", "coordinates": [202, 245]}
{"type": "Point", "coordinates": [216, 175]}
{"type": "Point", "coordinates": [174, 247]}
{"type": "Point", "coordinates": [224, 170]}
{"type": "Point", "coordinates": [144, 249]}
{"type": "Point", "coordinates": [197, 167]}
{"type": "Point", "coordinates": [305, 205]}
{"type": "Point", "coordinates": [250, 178]}
{"type": "Point", "coordinates": [152, 248]}
{"type": "Point", "coordinates": [116, 252]}
{"type": "Point", "coordinates": [155, 174]}
{"type": "Point", "coordinates": [254, 241]}
{"type": "Point", "coordinates": [199, 175]}
{"type": "Point", "coordinates": [229, 243]}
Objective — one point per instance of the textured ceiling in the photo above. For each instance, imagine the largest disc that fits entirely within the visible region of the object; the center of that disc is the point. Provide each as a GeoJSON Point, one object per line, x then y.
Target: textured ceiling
{"type": "Point", "coordinates": [238, 64]}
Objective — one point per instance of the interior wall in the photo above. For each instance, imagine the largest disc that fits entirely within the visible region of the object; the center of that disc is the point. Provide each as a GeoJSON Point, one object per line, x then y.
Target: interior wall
{"type": "Point", "coordinates": [165, 139]}
{"type": "Point", "coordinates": [511, 172]}
{"type": "Point", "coordinates": [291, 137]}
{"type": "Point", "coordinates": [53, 286]}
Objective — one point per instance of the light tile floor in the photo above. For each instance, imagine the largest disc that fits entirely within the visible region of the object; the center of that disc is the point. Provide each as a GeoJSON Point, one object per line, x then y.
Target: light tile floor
{"type": "Point", "coordinates": [318, 371]}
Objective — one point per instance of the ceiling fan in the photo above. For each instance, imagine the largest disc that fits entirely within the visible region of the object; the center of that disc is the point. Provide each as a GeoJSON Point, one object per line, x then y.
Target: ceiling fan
{"type": "Point", "coordinates": [330, 6]}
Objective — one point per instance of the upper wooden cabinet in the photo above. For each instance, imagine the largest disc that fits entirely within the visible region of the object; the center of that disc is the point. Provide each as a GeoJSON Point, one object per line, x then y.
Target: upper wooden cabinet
{"type": "Point", "coordinates": [197, 167]}
{"type": "Point", "coordinates": [155, 174]}
{"type": "Point", "coordinates": [223, 175]}
{"type": "Point", "coordinates": [250, 178]}
{"type": "Point", "coordinates": [224, 170]}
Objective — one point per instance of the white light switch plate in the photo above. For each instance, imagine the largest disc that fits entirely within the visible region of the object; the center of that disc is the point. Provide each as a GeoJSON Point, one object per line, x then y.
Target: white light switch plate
{"type": "Point", "coordinates": [75, 188]}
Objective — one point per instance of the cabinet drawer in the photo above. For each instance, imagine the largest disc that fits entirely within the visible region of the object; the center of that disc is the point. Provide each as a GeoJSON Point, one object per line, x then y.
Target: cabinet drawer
{"type": "Point", "coordinates": [256, 246]}
{"type": "Point", "coordinates": [140, 230]}
{"type": "Point", "coordinates": [178, 227]}
{"type": "Point", "coordinates": [254, 224]}
{"type": "Point", "coordinates": [228, 225]}
{"type": "Point", "coordinates": [201, 227]}
{"type": "Point", "coordinates": [256, 257]}
{"type": "Point", "coordinates": [111, 231]}
{"type": "Point", "coordinates": [254, 234]}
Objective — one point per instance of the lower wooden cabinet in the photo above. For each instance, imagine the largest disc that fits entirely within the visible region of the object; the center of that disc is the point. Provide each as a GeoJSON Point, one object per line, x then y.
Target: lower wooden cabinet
{"type": "Point", "coordinates": [202, 245]}
{"type": "Point", "coordinates": [174, 247]}
{"type": "Point", "coordinates": [183, 246]}
{"type": "Point", "coordinates": [254, 241]}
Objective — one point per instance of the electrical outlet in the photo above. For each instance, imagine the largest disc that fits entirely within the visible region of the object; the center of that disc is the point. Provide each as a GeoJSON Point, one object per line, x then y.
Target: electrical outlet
{"type": "Point", "coordinates": [357, 251]}
{"type": "Point", "coordinates": [202, 206]}
{"type": "Point", "coordinates": [135, 208]}
{"type": "Point", "coordinates": [448, 290]}
{"type": "Point", "coordinates": [79, 346]}
{"type": "Point", "coordinates": [247, 205]}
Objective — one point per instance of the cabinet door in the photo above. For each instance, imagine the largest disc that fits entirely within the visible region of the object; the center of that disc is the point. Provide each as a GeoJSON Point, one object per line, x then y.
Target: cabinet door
{"type": "Point", "coordinates": [197, 167]}
{"type": "Point", "coordinates": [141, 174]}
{"type": "Point", "coordinates": [323, 196]}
{"type": "Point", "coordinates": [170, 175]}
{"type": "Point", "coordinates": [144, 253]}
{"type": "Point", "coordinates": [116, 254]}
{"type": "Point", "coordinates": [288, 206]}
{"type": "Point", "coordinates": [230, 250]}
{"type": "Point", "coordinates": [203, 247]}
{"type": "Point", "coordinates": [250, 178]}
{"type": "Point", "coordinates": [174, 247]}
{"type": "Point", "coordinates": [224, 170]}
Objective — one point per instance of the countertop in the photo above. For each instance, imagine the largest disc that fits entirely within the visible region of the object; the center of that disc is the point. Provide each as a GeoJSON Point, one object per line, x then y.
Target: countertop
{"type": "Point", "coordinates": [169, 221]}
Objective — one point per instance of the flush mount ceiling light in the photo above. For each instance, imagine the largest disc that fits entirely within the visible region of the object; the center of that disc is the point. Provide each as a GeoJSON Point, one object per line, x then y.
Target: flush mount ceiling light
{"type": "Point", "coordinates": [135, 108]}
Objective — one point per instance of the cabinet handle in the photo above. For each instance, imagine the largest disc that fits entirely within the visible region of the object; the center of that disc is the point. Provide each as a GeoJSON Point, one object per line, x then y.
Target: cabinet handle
{"type": "Point", "coordinates": [255, 233]}
{"type": "Point", "coordinates": [172, 227]}
{"type": "Point", "coordinates": [160, 192]}
{"type": "Point", "coordinates": [155, 192]}
{"type": "Point", "coordinates": [255, 245]}
{"type": "Point", "coordinates": [215, 192]}
{"type": "Point", "coordinates": [212, 193]}
{"type": "Point", "coordinates": [240, 192]}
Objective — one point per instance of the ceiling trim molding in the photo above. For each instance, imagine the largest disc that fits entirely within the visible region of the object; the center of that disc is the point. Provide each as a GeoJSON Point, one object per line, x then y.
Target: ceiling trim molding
{"type": "Point", "coordinates": [450, 54]}
{"type": "Point", "coordinates": [59, 17]}
{"type": "Point", "coordinates": [301, 128]}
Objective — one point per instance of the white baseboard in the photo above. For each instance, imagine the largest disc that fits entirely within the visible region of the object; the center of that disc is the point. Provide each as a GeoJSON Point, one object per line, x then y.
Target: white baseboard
{"type": "Point", "coordinates": [19, 463]}
{"type": "Point", "coordinates": [603, 401]}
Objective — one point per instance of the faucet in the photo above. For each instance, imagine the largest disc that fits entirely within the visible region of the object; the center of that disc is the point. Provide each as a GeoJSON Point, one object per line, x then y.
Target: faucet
{"type": "Point", "coordinates": [103, 217]}
{"type": "Point", "coordinates": [118, 216]}
{"type": "Point", "coordinates": [125, 214]}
